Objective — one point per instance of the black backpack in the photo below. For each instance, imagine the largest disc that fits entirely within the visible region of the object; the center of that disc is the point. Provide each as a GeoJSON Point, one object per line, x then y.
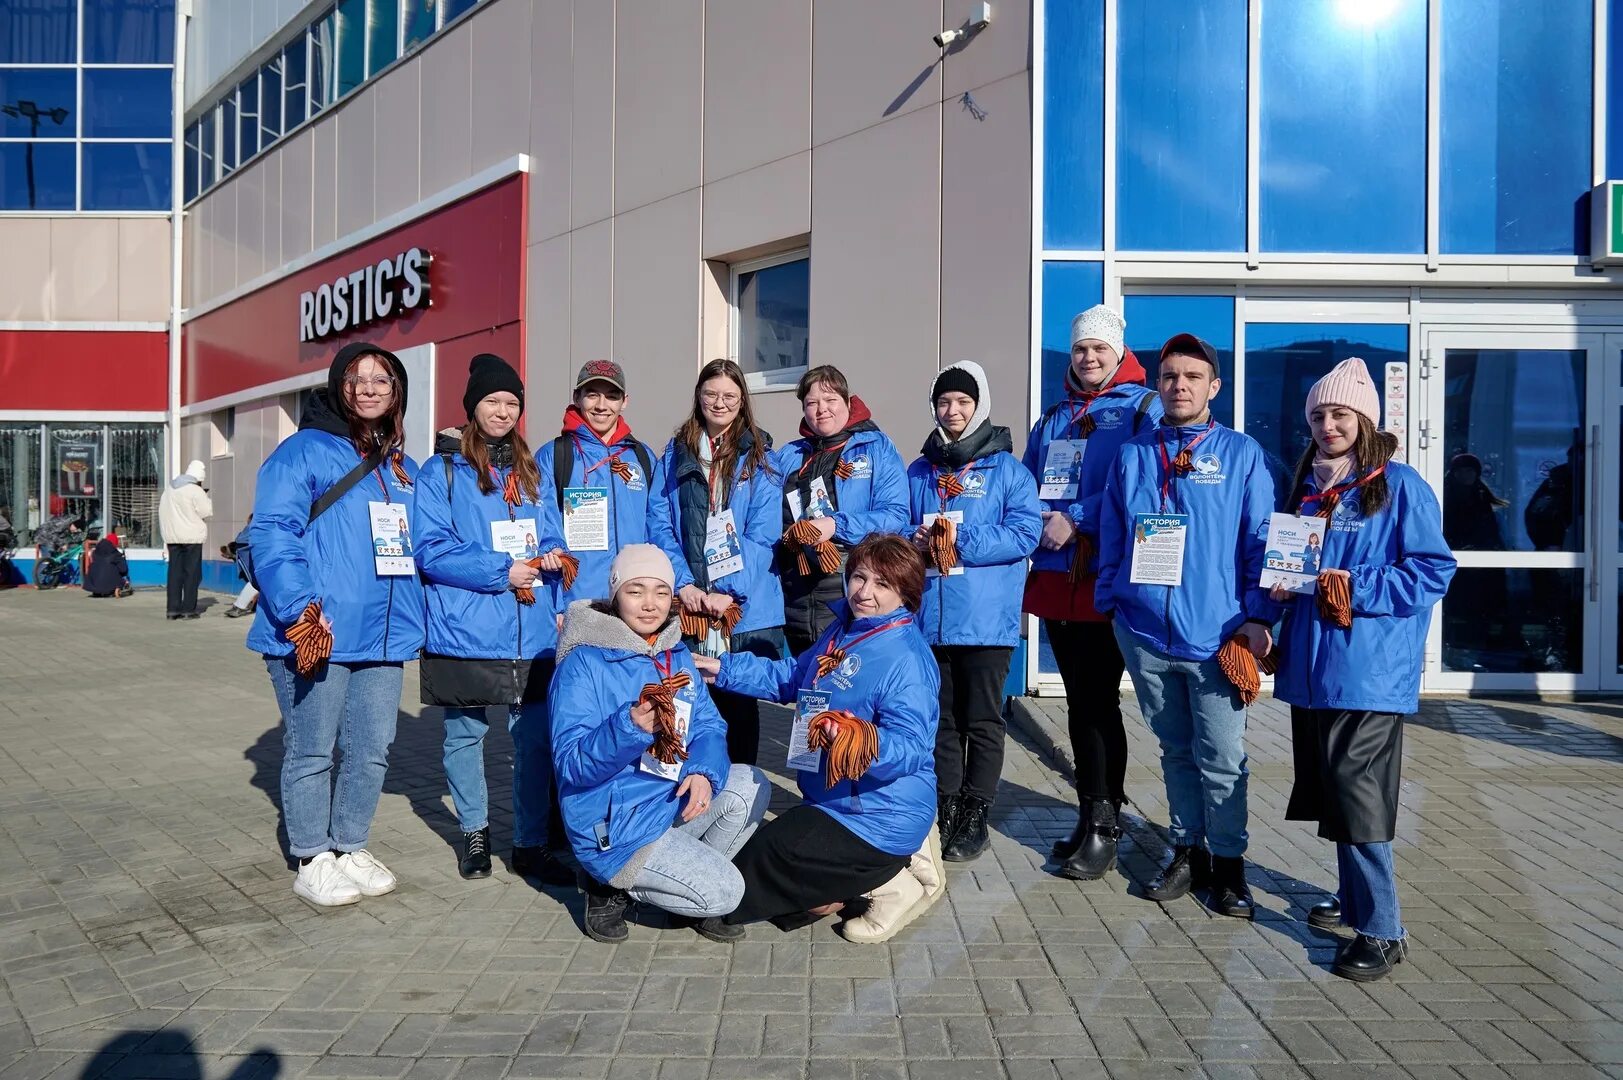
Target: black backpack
{"type": "Point", "coordinates": [563, 463]}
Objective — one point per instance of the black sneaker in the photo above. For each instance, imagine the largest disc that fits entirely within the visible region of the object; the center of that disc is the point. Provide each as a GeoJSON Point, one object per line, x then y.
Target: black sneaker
{"type": "Point", "coordinates": [475, 861]}
{"type": "Point", "coordinates": [605, 918]}
{"type": "Point", "coordinates": [1190, 868]}
{"type": "Point", "coordinates": [541, 863]}
{"type": "Point", "coordinates": [972, 835]}
{"type": "Point", "coordinates": [716, 928]}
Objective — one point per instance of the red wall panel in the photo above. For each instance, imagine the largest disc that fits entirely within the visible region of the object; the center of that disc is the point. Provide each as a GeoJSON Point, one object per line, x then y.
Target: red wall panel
{"type": "Point", "coordinates": [451, 370]}
{"type": "Point", "coordinates": [84, 370]}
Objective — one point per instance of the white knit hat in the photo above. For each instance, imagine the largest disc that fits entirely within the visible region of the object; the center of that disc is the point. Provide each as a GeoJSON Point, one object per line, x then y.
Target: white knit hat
{"type": "Point", "coordinates": [640, 561]}
{"type": "Point", "coordinates": [196, 471]}
{"type": "Point", "coordinates": [1349, 385]}
{"type": "Point", "coordinates": [1102, 324]}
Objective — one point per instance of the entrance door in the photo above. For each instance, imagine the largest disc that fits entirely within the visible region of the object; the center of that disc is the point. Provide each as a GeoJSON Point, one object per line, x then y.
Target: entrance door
{"type": "Point", "coordinates": [1512, 444]}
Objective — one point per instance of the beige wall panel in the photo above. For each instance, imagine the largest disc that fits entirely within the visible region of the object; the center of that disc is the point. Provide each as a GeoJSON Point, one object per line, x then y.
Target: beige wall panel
{"type": "Point", "coordinates": [552, 78]}
{"type": "Point", "coordinates": [546, 328]}
{"type": "Point", "coordinates": [779, 413]}
{"type": "Point", "coordinates": [26, 273]}
{"type": "Point", "coordinates": [194, 440]}
{"type": "Point", "coordinates": [356, 130]}
{"type": "Point", "coordinates": [84, 267]}
{"type": "Point", "coordinates": [1001, 50]}
{"type": "Point", "coordinates": [870, 61]}
{"type": "Point", "coordinates": [297, 203]}
{"type": "Point", "coordinates": [273, 209]}
{"type": "Point", "coordinates": [143, 270]}
{"type": "Point", "coordinates": [591, 155]}
{"type": "Point", "coordinates": [223, 228]}
{"type": "Point", "coordinates": [757, 83]}
{"type": "Point", "coordinates": [501, 87]}
{"type": "Point", "coordinates": [191, 257]}
{"type": "Point", "coordinates": [986, 245]}
{"type": "Point", "coordinates": [656, 309]}
{"type": "Point", "coordinates": [591, 293]}
{"type": "Point", "coordinates": [323, 185]}
{"type": "Point", "coordinates": [658, 117]}
{"type": "Point", "coordinates": [764, 205]}
{"type": "Point", "coordinates": [874, 272]}
{"type": "Point", "coordinates": [201, 270]}
{"type": "Point", "coordinates": [447, 106]}
{"type": "Point", "coordinates": [226, 522]}
{"type": "Point", "coordinates": [250, 228]}
{"type": "Point", "coordinates": [398, 138]}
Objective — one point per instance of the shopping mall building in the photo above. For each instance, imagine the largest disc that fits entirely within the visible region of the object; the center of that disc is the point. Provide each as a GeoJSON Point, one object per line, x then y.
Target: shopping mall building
{"type": "Point", "coordinates": [189, 234]}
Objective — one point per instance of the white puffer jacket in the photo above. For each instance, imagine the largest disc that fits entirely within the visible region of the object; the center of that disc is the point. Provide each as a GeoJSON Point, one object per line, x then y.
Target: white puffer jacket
{"type": "Point", "coordinates": [184, 510]}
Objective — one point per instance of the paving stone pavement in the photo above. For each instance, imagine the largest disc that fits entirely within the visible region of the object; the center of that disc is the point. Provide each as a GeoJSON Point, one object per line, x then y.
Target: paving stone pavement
{"type": "Point", "coordinates": [147, 927]}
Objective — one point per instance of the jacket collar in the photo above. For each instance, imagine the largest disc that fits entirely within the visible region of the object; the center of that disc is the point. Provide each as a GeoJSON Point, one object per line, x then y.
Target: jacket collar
{"type": "Point", "coordinates": [590, 622]}
{"type": "Point", "coordinates": [843, 617]}
{"type": "Point", "coordinates": [575, 424]}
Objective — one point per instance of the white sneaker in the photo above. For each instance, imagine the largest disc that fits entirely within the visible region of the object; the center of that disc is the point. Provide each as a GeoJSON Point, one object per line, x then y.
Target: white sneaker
{"type": "Point", "coordinates": [323, 884]}
{"type": "Point", "coordinates": [369, 875]}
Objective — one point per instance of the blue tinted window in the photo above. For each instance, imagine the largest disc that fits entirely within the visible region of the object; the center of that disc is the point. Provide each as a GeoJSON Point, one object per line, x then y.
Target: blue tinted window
{"type": "Point", "coordinates": [53, 97]}
{"type": "Point", "coordinates": [351, 45]}
{"type": "Point", "coordinates": [206, 149]}
{"type": "Point", "coordinates": [1153, 320]}
{"type": "Point", "coordinates": [270, 101]}
{"type": "Point", "coordinates": [1614, 120]}
{"type": "Point", "coordinates": [130, 31]}
{"type": "Point", "coordinates": [126, 176]}
{"type": "Point", "coordinates": [228, 135]}
{"type": "Point", "coordinates": [39, 33]}
{"type": "Point", "coordinates": [1073, 125]}
{"type": "Point", "coordinates": [36, 176]}
{"type": "Point", "coordinates": [127, 103]}
{"type": "Point", "coordinates": [248, 118]}
{"type": "Point", "coordinates": [419, 22]}
{"type": "Point", "coordinates": [1344, 125]}
{"type": "Point", "coordinates": [384, 33]}
{"type": "Point", "coordinates": [323, 56]}
{"type": "Point", "coordinates": [192, 164]}
{"type": "Point", "coordinates": [453, 8]}
{"type": "Point", "coordinates": [1068, 288]}
{"type": "Point", "coordinates": [1180, 143]}
{"type": "Point", "coordinates": [295, 91]}
{"type": "Point", "coordinates": [1284, 360]}
{"type": "Point", "coordinates": [1516, 128]}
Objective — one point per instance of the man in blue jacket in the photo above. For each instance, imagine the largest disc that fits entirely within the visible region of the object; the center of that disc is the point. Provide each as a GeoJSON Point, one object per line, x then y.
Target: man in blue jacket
{"type": "Point", "coordinates": [1182, 531]}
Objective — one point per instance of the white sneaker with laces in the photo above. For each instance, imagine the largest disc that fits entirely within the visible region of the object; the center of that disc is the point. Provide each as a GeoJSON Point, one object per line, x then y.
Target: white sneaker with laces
{"type": "Point", "coordinates": [369, 875]}
{"type": "Point", "coordinates": [323, 884]}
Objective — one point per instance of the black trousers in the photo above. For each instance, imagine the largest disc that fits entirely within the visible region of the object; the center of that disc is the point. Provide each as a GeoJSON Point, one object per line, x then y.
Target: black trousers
{"type": "Point", "coordinates": [969, 742]}
{"type": "Point", "coordinates": [803, 859]}
{"type": "Point", "coordinates": [185, 573]}
{"type": "Point", "coordinates": [1091, 667]}
{"type": "Point", "coordinates": [741, 714]}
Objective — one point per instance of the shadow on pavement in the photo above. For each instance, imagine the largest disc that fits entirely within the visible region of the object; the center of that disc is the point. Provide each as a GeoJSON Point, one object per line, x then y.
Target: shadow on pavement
{"type": "Point", "coordinates": [1523, 727]}
{"type": "Point", "coordinates": [170, 1054]}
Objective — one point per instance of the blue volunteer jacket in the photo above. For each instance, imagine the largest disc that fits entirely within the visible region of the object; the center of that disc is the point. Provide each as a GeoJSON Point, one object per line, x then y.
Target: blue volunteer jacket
{"type": "Point", "coordinates": [680, 512]}
{"type": "Point", "coordinates": [873, 500]}
{"type": "Point", "coordinates": [890, 679]}
{"type": "Point", "coordinates": [296, 561]}
{"type": "Point", "coordinates": [629, 500]}
{"type": "Point", "coordinates": [602, 667]}
{"type": "Point", "coordinates": [1002, 522]}
{"type": "Point", "coordinates": [1228, 497]}
{"type": "Point", "coordinates": [472, 611]}
{"type": "Point", "coordinates": [1400, 567]}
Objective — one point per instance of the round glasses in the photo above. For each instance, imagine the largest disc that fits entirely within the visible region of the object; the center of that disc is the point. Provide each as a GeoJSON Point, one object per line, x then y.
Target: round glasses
{"type": "Point", "coordinates": [710, 397]}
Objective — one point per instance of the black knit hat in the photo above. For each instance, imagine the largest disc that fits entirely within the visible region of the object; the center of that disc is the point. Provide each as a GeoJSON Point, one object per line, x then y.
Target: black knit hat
{"type": "Point", "coordinates": [489, 374]}
{"type": "Point", "coordinates": [956, 378]}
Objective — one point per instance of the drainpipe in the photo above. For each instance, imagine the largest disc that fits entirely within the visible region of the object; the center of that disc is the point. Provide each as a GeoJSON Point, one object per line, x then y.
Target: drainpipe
{"type": "Point", "coordinates": [183, 11]}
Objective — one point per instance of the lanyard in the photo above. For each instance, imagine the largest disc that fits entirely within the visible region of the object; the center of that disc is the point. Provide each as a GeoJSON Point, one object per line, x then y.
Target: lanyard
{"type": "Point", "coordinates": [949, 485]}
{"type": "Point", "coordinates": [501, 486]}
{"type": "Point", "coordinates": [838, 653]}
{"type": "Point", "coordinates": [664, 669]}
{"type": "Point", "coordinates": [1332, 498]}
{"type": "Point", "coordinates": [714, 474]}
{"type": "Point", "coordinates": [812, 453]}
{"type": "Point", "coordinates": [614, 456]}
{"type": "Point", "coordinates": [1079, 409]}
{"type": "Point", "coordinates": [378, 473]}
{"type": "Point", "coordinates": [1167, 462]}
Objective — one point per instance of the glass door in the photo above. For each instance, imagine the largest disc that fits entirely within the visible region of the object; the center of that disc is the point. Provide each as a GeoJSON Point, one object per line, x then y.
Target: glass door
{"type": "Point", "coordinates": [1608, 487]}
{"type": "Point", "coordinates": [1511, 441]}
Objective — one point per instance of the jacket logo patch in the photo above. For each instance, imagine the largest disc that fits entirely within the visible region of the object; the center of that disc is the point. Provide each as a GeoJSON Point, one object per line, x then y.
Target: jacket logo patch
{"type": "Point", "coordinates": [1208, 470]}
{"type": "Point", "coordinates": [975, 485]}
{"type": "Point", "coordinates": [860, 466]}
{"type": "Point", "coordinates": [1107, 419]}
{"type": "Point", "coordinates": [634, 481]}
{"type": "Point", "coordinates": [846, 673]}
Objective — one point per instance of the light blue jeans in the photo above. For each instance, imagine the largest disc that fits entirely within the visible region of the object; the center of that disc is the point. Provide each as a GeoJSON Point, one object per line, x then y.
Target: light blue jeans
{"type": "Point", "coordinates": [690, 869]}
{"type": "Point", "coordinates": [1369, 890]}
{"type": "Point", "coordinates": [464, 756]}
{"type": "Point", "coordinates": [1197, 715]}
{"type": "Point", "coordinates": [348, 707]}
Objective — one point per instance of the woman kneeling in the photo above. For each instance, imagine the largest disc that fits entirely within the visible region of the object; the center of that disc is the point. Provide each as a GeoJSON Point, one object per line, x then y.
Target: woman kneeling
{"type": "Point", "coordinates": [652, 807]}
{"type": "Point", "coordinates": [868, 691]}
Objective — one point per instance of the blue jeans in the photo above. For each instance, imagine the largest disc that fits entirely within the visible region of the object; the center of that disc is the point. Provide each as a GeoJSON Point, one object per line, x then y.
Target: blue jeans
{"type": "Point", "coordinates": [690, 869]}
{"type": "Point", "coordinates": [1197, 715]}
{"type": "Point", "coordinates": [464, 757]}
{"type": "Point", "coordinates": [350, 707]}
{"type": "Point", "coordinates": [1369, 890]}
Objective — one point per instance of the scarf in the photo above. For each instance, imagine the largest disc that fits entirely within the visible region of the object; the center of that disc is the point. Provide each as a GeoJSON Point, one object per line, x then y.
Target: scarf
{"type": "Point", "coordinates": [983, 442]}
{"type": "Point", "coordinates": [1328, 472]}
{"type": "Point", "coordinates": [824, 459]}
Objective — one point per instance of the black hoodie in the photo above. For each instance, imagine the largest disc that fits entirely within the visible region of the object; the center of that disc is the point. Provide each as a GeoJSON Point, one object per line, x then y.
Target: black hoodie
{"type": "Point", "coordinates": [324, 412]}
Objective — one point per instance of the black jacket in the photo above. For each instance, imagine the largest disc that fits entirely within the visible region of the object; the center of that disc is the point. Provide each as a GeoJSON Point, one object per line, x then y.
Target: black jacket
{"type": "Point", "coordinates": [109, 570]}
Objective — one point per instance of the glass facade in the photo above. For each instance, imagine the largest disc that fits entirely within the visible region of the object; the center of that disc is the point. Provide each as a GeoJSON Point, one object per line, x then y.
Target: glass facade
{"type": "Point", "coordinates": [772, 319]}
{"type": "Point", "coordinates": [1073, 125]}
{"type": "Point", "coordinates": [1068, 287]}
{"type": "Point", "coordinates": [1154, 320]}
{"type": "Point", "coordinates": [65, 127]}
{"type": "Point", "coordinates": [100, 472]}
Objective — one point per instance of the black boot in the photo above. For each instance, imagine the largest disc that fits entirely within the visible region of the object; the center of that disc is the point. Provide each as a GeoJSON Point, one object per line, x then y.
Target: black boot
{"type": "Point", "coordinates": [605, 918]}
{"type": "Point", "coordinates": [1190, 868]}
{"type": "Point", "coordinates": [475, 862]}
{"type": "Point", "coordinates": [1064, 849]}
{"type": "Point", "coordinates": [1230, 894]}
{"type": "Point", "coordinates": [1325, 915]}
{"type": "Point", "coordinates": [1097, 853]}
{"type": "Point", "coordinates": [948, 810]}
{"type": "Point", "coordinates": [972, 835]}
{"type": "Point", "coordinates": [1365, 959]}
{"type": "Point", "coordinates": [541, 863]}
{"type": "Point", "coordinates": [716, 928]}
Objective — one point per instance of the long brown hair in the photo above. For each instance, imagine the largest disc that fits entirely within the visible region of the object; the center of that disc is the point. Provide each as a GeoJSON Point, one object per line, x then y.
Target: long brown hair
{"type": "Point", "coordinates": [725, 463]}
{"type": "Point", "coordinates": [388, 430]}
{"type": "Point", "coordinates": [477, 454]}
{"type": "Point", "coordinates": [1373, 450]}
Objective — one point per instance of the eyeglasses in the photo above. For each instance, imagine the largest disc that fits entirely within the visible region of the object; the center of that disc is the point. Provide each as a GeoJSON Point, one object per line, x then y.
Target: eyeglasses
{"type": "Point", "coordinates": [710, 397]}
{"type": "Point", "coordinates": [383, 384]}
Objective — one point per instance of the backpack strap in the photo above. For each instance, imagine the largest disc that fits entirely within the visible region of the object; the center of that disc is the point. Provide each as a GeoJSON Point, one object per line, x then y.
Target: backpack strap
{"type": "Point", "coordinates": [449, 472]}
{"type": "Point", "coordinates": [1143, 408]}
{"type": "Point", "coordinates": [349, 480]}
{"type": "Point", "coordinates": [647, 469]}
{"type": "Point", "coordinates": [563, 462]}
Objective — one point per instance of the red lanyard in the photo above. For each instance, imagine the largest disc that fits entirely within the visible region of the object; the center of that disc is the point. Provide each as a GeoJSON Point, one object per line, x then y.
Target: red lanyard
{"type": "Point", "coordinates": [1166, 462]}
{"type": "Point", "coordinates": [948, 485]}
{"type": "Point", "coordinates": [1332, 498]}
{"type": "Point", "coordinates": [614, 456]}
{"type": "Point", "coordinates": [714, 474]}
{"type": "Point", "coordinates": [1079, 409]}
{"type": "Point", "coordinates": [844, 649]}
{"type": "Point", "coordinates": [664, 669]}
{"type": "Point", "coordinates": [378, 472]}
{"type": "Point", "coordinates": [812, 453]}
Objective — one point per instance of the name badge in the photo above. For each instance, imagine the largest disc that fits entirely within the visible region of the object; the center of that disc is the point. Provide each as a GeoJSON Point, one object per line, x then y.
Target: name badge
{"type": "Point", "coordinates": [808, 703]}
{"type": "Point", "coordinates": [516, 539]}
{"type": "Point", "coordinates": [1293, 554]}
{"type": "Point", "coordinates": [1062, 469]}
{"type": "Point", "coordinates": [957, 518]}
{"type": "Point", "coordinates": [586, 519]}
{"type": "Point", "coordinates": [1158, 547]}
{"type": "Point", "coordinates": [391, 539]}
{"type": "Point", "coordinates": [723, 549]}
{"type": "Point", "coordinates": [820, 506]}
{"type": "Point", "coordinates": [673, 771]}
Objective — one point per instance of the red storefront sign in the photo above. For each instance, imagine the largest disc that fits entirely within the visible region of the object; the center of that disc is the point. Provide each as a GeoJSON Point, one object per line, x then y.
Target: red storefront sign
{"type": "Point", "coordinates": [84, 371]}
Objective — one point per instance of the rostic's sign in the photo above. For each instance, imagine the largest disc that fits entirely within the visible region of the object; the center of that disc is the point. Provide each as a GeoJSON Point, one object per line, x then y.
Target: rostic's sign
{"type": "Point", "coordinates": [387, 290]}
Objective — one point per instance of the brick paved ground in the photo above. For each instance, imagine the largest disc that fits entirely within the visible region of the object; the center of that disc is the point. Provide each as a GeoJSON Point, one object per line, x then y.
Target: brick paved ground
{"type": "Point", "coordinates": [147, 927]}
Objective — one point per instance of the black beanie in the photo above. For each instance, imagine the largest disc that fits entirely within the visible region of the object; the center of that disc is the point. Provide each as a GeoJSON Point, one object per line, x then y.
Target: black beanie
{"type": "Point", "coordinates": [488, 374]}
{"type": "Point", "coordinates": [956, 378]}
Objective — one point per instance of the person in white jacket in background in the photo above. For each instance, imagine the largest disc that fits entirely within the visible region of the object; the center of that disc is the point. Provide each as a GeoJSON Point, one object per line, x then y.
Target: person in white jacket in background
{"type": "Point", "coordinates": [183, 514]}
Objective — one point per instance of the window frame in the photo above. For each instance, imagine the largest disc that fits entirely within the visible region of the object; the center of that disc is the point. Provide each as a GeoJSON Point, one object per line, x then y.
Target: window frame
{"type": "Point", "coordinates": [781, 379]}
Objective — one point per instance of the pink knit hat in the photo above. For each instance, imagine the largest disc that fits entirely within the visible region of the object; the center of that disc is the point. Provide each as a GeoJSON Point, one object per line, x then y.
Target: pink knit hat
{"type": "Point", "coordinates": [1349, 385]}
{"type": "Point", "coordinates": [640, 561]}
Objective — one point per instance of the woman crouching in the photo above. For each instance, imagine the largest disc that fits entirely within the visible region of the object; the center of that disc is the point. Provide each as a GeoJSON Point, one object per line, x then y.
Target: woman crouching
{"type": "Point", "coordinates": [652, 807]}
{"type": "Point", "coordinates": [866, 710]}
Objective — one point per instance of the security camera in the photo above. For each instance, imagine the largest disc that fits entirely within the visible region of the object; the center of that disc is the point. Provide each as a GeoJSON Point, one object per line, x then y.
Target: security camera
{"type": "Point", "coordinates": [947, 37]}
{"type": "Point", "coordinates": [977, 22]}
